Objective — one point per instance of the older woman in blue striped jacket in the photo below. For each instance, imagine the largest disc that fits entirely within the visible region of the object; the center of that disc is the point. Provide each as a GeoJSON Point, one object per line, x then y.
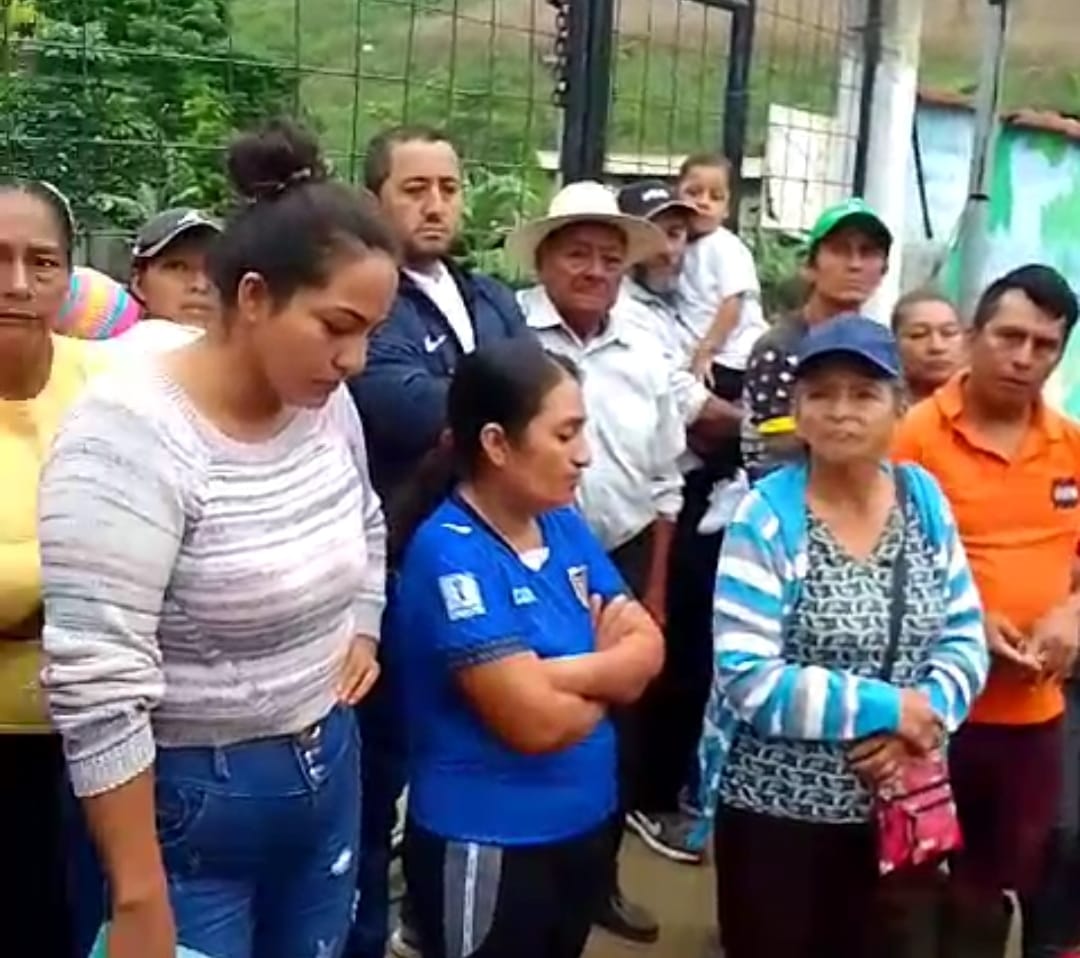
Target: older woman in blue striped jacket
{"type": "Point", "coordinates": [849, 644]}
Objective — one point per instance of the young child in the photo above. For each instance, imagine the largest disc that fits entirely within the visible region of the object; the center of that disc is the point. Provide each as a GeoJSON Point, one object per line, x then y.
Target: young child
{"type": "Point", "coordinates": [719, 284]}
{"type": "Point", "coordinates": [721, 299]}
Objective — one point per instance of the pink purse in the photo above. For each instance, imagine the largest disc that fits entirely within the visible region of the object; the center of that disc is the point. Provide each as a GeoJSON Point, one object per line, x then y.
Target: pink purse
{"type": "Point", "coordinates": [916, 817]}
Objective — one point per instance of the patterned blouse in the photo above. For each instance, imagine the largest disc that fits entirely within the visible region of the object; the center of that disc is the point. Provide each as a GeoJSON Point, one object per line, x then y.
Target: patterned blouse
{"type": "Point", "coordinates": [840, 622]}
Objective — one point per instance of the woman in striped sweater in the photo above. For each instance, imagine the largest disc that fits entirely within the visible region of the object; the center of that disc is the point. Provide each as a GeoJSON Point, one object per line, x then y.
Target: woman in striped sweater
{"type": "Point", "coordinates": [213, 559]}
{"type": "Point", "coordinates": [817, 701]}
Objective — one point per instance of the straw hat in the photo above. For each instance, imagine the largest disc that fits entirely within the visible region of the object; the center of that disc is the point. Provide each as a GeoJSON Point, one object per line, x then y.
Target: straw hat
{"type": "Point", "coordinates": [584, 202]}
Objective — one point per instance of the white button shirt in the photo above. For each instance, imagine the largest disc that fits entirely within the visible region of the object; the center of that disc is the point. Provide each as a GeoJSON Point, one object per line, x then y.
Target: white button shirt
{"type": "Point", "coordinates": [634, 428]}
{"type": "Point", "coordinates": [660, 319]}
{"type": "Point", "coordinates": [439, 286]}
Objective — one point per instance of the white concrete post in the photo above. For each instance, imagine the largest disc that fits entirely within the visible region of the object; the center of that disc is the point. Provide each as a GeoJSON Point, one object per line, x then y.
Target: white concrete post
{"type": "Point", "coordinates": [895, 93]}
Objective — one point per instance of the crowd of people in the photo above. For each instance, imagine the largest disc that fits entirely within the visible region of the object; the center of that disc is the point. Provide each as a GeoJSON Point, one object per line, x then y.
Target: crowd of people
{"type": "Point", "coordinates": [341, 527]}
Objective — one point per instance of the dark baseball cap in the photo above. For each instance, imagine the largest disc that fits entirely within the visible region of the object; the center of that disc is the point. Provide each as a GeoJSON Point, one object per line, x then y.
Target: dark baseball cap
{"type": "Point", "coordinates": [649, 198]}
{"type": "Point", "coordinates": [854, 337]}
{"type": "Point", "coordinates": [166, 228]}
{"type": "Point", "coordinates": [853, 212]}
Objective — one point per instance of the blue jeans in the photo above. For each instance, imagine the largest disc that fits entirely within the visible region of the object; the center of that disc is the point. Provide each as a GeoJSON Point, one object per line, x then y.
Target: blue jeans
{"type": "Point", "coordinates": [383, 777]}
{"type": "Point", "coordinates": [261, 841]}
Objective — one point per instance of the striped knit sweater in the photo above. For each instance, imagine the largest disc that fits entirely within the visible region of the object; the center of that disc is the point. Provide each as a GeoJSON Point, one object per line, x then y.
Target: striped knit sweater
{"type": "Point", "coordinates": [762, 566]}
{"type": "Point", "coordinates": [199, 590]}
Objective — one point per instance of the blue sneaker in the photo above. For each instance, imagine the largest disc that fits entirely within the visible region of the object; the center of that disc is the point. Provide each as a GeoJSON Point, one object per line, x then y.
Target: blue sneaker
{"type": "Point", "coordinates": [676, 836]}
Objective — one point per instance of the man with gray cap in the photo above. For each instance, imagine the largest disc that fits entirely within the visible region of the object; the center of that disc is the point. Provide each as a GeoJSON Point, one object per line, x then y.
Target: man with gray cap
{"type": "Point", "coordinates": [674, 706]}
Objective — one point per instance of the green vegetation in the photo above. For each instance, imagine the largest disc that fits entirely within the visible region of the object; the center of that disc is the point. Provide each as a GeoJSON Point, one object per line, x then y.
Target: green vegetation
{"type": "Point", "coordinates": [1053, 86]}
{"type": "Point", "coordinates": [130, 107]}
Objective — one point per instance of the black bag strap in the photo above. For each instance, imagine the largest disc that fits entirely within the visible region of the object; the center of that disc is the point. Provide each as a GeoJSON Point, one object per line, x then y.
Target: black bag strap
{"type": "Point", "coordinates": [899, 580]}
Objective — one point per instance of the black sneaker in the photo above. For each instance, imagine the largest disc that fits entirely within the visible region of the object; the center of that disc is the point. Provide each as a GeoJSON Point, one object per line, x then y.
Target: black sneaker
{"type": "Point", "coordinates": [626, 920]}
{"type": "Point", "coordinates": [675, 835]}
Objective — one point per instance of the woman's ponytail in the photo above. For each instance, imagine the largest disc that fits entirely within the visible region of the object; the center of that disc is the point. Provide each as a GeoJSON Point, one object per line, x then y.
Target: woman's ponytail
{"type": "Point", "coordinates": [502, 384]}
{"type": "Point", "coordinates": [418, 498]}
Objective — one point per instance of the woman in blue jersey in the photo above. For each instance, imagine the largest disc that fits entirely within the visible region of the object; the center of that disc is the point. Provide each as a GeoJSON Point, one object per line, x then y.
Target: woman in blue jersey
{"type": "Point", "coordinates": [849, 641]}
{"type": "Point", "coordinates": [515, 637]}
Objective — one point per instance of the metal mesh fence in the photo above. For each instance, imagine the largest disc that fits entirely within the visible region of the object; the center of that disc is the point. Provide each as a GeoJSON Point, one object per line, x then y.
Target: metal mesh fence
{"type": "Point", "coordinates": [779, 84]}
{"type": "Point", "coordinates": [809, 95]}
{"type": "Point", "coordinates": [672, 70]}
{"type": "Point", "coordinates": [126, 104]}
{"type": "Point", "coordinates": [807, 90]}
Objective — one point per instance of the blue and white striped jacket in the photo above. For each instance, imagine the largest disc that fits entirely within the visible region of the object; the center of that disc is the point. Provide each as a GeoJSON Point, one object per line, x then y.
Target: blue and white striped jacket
{"type": "Point", "coordinates": [759, 580]}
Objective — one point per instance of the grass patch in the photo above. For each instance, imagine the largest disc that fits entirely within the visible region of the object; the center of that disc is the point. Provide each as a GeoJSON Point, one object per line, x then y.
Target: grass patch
{"type": "Point", "coordinates": [368, 64]}
{"type": "Point", "coordinates": [365, 65]}
{"type": "Point", "coordinates": [1028, 84]}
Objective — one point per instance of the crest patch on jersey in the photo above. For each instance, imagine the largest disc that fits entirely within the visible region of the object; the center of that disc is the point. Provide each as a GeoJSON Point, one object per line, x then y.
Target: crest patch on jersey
{"type": "Point", "coordinates": [461, 596]}
{"type": "Point", "coordinates": [579, 579]}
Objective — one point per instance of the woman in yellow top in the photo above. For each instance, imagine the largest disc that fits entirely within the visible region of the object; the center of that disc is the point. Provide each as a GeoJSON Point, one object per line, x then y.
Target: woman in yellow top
{"type": "Point", "coordinates": [40, 377]}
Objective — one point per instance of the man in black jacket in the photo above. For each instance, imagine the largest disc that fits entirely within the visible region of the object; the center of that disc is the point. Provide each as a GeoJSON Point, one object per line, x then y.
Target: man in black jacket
{"type": "Point", "coordinates": [441, 313]}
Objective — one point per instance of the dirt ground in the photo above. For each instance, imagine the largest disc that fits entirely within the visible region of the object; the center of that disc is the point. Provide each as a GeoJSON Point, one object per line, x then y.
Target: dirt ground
{"type": "Point", "coordinates": [682, 897]}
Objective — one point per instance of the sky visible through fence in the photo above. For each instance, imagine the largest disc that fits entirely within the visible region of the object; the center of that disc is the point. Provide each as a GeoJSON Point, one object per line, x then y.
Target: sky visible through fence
{"type": "Point", "coordinates": [127, 103]}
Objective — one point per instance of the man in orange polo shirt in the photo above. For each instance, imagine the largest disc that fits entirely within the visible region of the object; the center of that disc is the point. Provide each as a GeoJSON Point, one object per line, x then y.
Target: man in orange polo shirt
{"type": "Point", "coordinates": [1009, 466]}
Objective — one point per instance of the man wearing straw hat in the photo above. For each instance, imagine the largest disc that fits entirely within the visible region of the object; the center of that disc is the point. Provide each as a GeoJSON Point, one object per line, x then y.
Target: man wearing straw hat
{"type": "Point", "coordinates": [632, 492]}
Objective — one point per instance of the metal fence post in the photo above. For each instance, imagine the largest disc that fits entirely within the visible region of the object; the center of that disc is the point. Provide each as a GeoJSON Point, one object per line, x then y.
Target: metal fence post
{"type": "Point", "coordinates": [737, 97]}
{"type": "Point", "coordinates": [736, 90]}
{"type": "Point", "coordinates": [871, 60]}
{"type": "Point", "coordinates": [590, 24]}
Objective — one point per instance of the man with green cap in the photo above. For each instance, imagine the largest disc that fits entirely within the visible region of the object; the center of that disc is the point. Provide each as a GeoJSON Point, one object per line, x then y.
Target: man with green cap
{"type": "Point", "coordinates": [847, 258]}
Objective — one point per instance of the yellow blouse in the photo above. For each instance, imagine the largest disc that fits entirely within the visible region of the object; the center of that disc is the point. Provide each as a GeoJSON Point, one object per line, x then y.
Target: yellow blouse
{"type": "Point", "coordinates": [27, 428]}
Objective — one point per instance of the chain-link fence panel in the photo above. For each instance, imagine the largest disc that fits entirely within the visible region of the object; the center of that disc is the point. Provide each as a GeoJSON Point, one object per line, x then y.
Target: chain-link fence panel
{"type": "Point", "coordinates": [127, 104]}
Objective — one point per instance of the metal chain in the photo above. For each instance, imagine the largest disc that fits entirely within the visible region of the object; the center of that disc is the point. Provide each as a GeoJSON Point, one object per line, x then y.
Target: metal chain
{"type": "Point", "coordinates": [562, 40]}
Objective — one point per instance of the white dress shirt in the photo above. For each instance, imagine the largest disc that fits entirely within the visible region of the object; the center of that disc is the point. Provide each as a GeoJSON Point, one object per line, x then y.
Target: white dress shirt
{"type": "Point", "coordinates": [439, 286]}
{"type": "Point", "coordinates": [634, 428]}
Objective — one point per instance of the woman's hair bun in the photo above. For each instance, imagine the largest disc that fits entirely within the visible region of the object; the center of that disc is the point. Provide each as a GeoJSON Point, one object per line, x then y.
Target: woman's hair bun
{"type": "Point", "coordinates": [266, 162]}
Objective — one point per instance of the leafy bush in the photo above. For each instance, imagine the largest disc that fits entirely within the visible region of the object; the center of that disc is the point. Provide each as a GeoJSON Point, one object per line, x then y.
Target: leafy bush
{"type": "Point", "coordinates": [127, 105]}
{"type": "Point", "coordinates": [495, 203]}
{"type": "Point", "coordinates": [779, 261]}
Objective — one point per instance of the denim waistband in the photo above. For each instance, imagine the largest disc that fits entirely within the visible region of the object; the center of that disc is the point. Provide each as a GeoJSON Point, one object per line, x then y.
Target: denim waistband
{"type": "Point", "coordinates": [278, 766]}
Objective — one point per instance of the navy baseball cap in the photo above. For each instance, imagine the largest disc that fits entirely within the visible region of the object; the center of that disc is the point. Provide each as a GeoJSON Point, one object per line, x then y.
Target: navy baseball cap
{"type": "Point", "coordinates": [853, 337]}
{"type": "Point", "coordinates": [650, 198]}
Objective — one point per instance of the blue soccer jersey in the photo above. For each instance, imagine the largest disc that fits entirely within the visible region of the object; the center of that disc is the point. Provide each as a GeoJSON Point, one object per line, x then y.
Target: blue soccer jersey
{"type": "Point", "coordinates": [464, 597]}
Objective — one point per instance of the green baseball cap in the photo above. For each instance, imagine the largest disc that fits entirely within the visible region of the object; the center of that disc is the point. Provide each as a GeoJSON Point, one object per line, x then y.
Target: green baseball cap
{"type": "Point", "coordinates": [853, 212]}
